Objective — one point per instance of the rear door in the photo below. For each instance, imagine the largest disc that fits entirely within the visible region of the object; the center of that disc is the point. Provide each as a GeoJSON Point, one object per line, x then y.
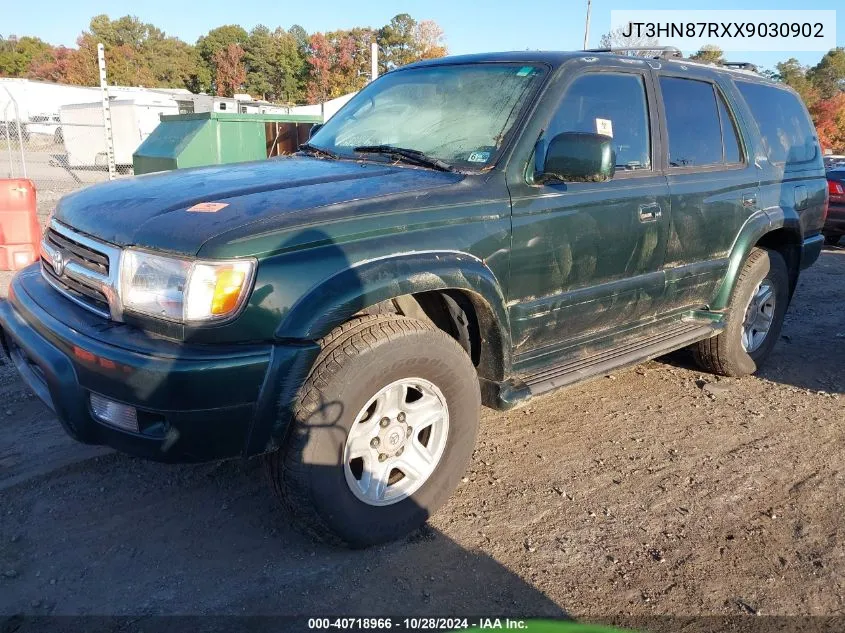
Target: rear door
{"type": "Point", "coordinates": [791, 166]}
{"type": "Point", "coordinates": [712, 184]}
{"type": "Point", "coordinates": [587, 256]}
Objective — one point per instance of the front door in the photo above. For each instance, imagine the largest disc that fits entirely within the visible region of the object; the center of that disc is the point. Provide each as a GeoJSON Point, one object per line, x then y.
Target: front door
{"type": "Point", "coordinates": [587, 257]}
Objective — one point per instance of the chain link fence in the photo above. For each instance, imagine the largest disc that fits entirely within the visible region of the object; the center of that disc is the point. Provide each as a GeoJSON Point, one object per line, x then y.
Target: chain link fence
{"type": "Point", "coordinates": [58, 155]}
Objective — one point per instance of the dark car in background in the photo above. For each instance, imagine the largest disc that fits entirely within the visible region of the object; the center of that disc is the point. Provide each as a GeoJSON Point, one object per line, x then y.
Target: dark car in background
{"type": "Point", "coordinates": [834, 161]}
{"type": "Point", "coordinates": [834, 225]}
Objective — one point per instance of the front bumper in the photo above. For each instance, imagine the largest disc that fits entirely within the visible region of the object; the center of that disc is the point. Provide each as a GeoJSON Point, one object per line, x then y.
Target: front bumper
{"type": "Point", "coordinates": [195, 402]}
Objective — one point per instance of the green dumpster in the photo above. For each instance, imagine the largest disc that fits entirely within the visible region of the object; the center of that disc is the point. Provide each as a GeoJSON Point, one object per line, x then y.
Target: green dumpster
{"type": "Point", "coordinates": [215, 138]}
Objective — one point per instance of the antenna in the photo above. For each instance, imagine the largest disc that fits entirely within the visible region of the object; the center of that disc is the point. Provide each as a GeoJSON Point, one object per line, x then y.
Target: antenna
{"type": "Point", "coordinates": [587, 26]}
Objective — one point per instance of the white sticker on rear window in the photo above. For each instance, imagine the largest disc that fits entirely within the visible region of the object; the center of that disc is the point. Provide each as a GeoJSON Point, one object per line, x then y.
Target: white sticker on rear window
{"type": "Point", "coordinates": [479, 157]}
{"type": "Point", "coordinates": [604, 126]}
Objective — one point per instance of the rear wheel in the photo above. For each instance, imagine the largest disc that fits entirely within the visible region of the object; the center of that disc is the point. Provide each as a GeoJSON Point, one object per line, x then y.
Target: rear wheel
{"type": "Point", "coordinates": [383, 432]}
{"type": "Point", "coordinates": [753, 320]}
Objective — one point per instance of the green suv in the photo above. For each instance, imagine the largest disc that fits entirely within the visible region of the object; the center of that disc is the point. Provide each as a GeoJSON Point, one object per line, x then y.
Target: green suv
{"type": "Point", "coordinates": [465, 231]}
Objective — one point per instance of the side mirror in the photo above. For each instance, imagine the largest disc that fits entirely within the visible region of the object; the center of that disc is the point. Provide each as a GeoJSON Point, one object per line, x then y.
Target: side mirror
{"type": "Point", "coordinates": [579, 157]}
{"type": "Point", "coordinates": [314, 129]}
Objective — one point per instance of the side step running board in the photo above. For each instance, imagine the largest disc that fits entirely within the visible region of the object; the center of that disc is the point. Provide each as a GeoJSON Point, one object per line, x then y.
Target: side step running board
{"type": "Point", "coordinates": [674, 337]}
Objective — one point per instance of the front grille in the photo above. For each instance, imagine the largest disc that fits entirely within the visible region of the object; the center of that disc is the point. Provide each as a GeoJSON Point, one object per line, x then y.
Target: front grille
{"type": "Point", "coordinates": [87, 257]}
{"type": "Point", "coordinates": [82, 293]}
{"type": "Point", "coordinates": [81, 268]}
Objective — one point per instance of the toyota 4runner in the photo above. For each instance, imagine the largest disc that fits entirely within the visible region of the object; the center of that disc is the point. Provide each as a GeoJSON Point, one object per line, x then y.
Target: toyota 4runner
{"type": "Point", "coordinates": [465, 231]}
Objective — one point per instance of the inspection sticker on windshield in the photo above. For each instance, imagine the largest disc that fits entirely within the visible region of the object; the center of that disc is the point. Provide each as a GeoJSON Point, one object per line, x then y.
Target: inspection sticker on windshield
{"type": "Point", "coordinates": [604, 126]}
{"type": "Point", "coordinates": [479, 157]}
{"type": "Point", "coordinates": [208, 207]}
{"type": "Point", "coordinates": [525, 71]}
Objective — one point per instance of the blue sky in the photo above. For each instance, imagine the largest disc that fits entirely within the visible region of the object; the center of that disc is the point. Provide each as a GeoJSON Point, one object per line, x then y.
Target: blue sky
{"type": "Point", "coordinates": [469, 26]}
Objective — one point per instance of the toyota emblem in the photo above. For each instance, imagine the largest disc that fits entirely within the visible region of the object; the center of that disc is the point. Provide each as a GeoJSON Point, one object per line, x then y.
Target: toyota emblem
{"type": "Point", "coordinates": [58, 260]}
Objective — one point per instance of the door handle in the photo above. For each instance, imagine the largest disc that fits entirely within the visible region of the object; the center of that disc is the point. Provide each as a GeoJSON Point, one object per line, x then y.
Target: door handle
{"type": "Point", "coordinates": [749, 200]}
{"type": "Point", "coordinates": [650, 212]}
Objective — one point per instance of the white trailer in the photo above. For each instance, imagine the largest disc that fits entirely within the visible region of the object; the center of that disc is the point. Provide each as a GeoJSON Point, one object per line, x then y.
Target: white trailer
{"type": "Point", "coordinates": [133, 120]}
{"type": "Point", "coordinates": [196, 104]}
{"type": "Point", "coordinates": [239, 104]}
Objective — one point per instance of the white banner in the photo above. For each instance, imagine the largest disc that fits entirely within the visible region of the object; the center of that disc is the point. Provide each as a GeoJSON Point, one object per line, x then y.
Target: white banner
{"type": "Point", "coordinates": [740, 30]}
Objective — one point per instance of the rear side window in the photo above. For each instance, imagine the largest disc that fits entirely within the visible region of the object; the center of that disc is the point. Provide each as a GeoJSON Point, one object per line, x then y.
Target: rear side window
{"type": "Point", "coordinates": [694, 124]}
{"type": "Point", "coordinates": [613, 104]}
{"type": "Point", "coordinates": [788, 134]}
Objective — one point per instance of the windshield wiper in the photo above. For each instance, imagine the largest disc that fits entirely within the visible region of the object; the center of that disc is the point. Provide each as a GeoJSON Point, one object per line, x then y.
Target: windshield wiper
{"type": "Point", "coordinates": [412, 156]}
{"type": "Point", "coordinates": [317, 151]}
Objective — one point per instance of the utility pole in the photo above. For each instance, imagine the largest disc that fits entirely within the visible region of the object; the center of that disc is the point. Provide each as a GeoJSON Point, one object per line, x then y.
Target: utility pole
{"type": "Point", "coordinates": [587, 27]}
{"type": "Point", "coordinates": [373, 61]}
{"type": "Point", "coordinates": [107, 129]}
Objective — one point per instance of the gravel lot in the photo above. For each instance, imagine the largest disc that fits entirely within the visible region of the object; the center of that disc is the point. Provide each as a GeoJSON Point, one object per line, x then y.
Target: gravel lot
{"type": "Point", "coordinates": [655, 491]}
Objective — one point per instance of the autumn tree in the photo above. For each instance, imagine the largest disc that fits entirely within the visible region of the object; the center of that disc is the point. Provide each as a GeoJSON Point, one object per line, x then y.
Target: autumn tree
{"type": "Point", "coordinates": [176, 64]}
{"type": "Point", "coordinates": [397, 46]}
{"type": "Point", "coordinates": [53, 66]}
{"type": "Point", "coordinates": [829, 117]}
{"type": "Point", "coordinates": [287, 65]}
{"type": "Point", "coordinates": [18, 55]}
{"type": "Point", "coordinates": [354, 58]}
{"type": "Point", "coordinates": [230, 72]}
{"type": "Point", "coordinates": [301, 36]}
{"type": "Point", "coordinates": [709, 54]}
{"type": "Point", "coordinates": [794, 75]}
{"type": "Point", "coordinates": [617, 39]}
{"type": "Point", "coordinates": [210, 44]}
{"type": "Point", "coordinates": [138, 53]}
{"type": "Point", "coordinates": [128, 31]}
{"type": "Point", "coordinates": [828, 76]}
{"type": "Point", "coordinates": [321, 59]}
{"type": "Point", "coordinates": [428, 40]}
{"type": "Point", "coordinates": [125, 65]}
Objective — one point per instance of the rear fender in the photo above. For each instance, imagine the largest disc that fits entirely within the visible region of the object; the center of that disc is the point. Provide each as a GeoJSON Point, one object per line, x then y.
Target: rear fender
{"type": "Point", "coordinates": [757, 225]}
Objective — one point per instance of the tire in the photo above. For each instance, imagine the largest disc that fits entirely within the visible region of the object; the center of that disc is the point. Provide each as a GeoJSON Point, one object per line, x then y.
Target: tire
{"type": "Point", "coordinates": [832, 240]}
{"type": "Point", "coordinates": [726, 354]}
{"type": "Point", "coordinates": [310, 472]}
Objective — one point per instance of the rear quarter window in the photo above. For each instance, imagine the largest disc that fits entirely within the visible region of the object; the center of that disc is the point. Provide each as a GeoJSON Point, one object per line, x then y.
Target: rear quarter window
{"type": "Point", "coordinates": [787, 133]}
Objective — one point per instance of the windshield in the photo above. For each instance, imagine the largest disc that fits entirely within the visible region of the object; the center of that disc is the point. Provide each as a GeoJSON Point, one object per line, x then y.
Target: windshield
{"type": "Point", "coordinates": [459, 114]}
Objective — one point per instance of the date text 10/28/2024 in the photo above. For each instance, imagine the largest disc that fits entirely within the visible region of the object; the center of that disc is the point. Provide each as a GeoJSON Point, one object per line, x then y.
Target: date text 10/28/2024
{"type": "Point", "coordinates": [416, 624]}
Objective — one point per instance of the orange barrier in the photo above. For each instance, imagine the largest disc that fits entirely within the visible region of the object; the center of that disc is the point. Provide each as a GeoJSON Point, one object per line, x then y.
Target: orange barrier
{"type": "Point", "coordinates": [20, 232]}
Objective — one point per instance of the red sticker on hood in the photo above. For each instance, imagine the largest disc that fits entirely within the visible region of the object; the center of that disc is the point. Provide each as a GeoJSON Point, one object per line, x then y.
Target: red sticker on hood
{"type": "Point", "coordinates": [208, 207]}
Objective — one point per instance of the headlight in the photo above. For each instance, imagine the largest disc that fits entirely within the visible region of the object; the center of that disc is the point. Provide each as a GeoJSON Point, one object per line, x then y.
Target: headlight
{"type": "Point", "coordinates": [184, 290]}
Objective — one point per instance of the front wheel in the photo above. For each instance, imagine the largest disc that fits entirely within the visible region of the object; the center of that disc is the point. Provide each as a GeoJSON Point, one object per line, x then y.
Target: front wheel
{"type": "Point", "coordinates": [832, 240]}
{"type": "Point", "coordinates": [753, 320]}
{"type": "Point", "coordinates": [383, 432]}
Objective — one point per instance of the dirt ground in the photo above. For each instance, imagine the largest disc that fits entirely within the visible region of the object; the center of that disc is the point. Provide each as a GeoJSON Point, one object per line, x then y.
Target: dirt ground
{"type": "Point", "coordinates": [655, 491]}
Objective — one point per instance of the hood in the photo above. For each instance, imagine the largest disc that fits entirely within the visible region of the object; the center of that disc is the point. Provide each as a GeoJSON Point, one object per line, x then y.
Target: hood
{"type": "Point", "coordinates": [160, 212]}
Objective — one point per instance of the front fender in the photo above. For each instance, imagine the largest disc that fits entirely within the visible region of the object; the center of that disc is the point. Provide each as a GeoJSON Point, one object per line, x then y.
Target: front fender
{"type": "Point", "coordinates": [757, 225]}
{"type": "Point", "coordinates": [334, 300]}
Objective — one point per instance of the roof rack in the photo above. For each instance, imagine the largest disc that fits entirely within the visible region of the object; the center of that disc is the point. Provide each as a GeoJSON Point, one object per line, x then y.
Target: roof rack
{"type": "Point", "coordinates": [663, 52]}
{"type": "Point", "coordinates": [741, 66]}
